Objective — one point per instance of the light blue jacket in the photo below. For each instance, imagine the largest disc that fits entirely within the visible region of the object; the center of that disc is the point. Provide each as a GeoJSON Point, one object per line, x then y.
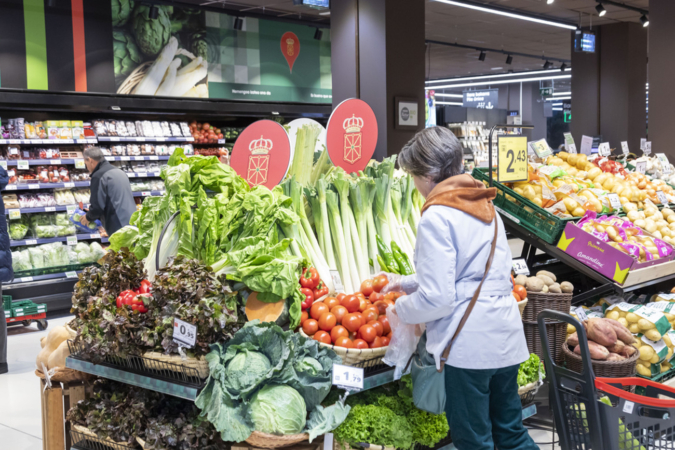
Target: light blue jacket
{"type": "Point", "coordinates": [450, 256]}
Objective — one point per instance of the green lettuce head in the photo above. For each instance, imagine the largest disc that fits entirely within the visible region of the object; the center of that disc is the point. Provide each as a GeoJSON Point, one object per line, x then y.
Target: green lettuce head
{"type": "Point", "coordinates": [246, 369]}
{"type": "Point", "coordinates": [278, 409]}
{"type": "Point", "coordinates": [121, 11]}
{"type": "Point", "coordinates": [151, 34]}
{"type": "Point", "coordinates": [126, 53]}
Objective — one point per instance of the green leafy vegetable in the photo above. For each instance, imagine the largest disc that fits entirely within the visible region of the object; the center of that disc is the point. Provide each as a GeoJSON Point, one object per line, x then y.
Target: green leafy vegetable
{"type": "Point", "coordinates": [126, 54]}
{"type": "Point", "coordinates": [278, 409]}
{"type": "Point", "coordinates": [151, 34]}
{"type": "Point", "coordinates": [530, 371]}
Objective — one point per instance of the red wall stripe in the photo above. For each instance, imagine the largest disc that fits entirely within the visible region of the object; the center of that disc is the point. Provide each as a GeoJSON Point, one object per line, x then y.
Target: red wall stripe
{"type": "Point", "coordinates": [78, 46]}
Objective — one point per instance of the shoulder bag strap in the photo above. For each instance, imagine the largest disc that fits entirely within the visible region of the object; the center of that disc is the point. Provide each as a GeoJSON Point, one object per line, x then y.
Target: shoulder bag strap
{"type": "Point", "coordinates": [446, 352]}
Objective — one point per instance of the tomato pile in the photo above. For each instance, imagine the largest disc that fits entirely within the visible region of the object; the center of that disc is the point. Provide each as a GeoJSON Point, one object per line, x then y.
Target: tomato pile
{"type": "Point", "coordinates": [205, 133]}
{"type": "Point", "coordinates": [136, 300]}
{"type": "Point", "coordinates": [352, 321]}
{"type": "Point", "coordinates": [519, 292]}
{"type": "Point", "coordinates": [312, 287]}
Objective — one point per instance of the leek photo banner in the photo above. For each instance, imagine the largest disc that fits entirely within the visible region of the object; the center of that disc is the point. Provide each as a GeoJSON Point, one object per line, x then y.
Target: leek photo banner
{"type": "Point", "coordinates": [351, 135]}
{"type": "Point", "coordinates": [293, 126]}
{"type": "Point", "coordinates": [262, 154]}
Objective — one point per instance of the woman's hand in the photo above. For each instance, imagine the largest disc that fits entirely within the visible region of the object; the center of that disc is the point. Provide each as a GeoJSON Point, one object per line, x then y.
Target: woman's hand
{"type": "Point", "coordinates": [392, 309]}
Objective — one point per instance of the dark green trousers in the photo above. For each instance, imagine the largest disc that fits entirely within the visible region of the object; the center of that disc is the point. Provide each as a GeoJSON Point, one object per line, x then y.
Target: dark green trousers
{"type": "Point", "coordinates": [484, 410]}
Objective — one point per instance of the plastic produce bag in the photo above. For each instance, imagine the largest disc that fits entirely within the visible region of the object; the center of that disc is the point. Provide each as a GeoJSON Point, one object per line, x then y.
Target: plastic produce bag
{"type": "Point", "coordinates": [36, 257]}
{"type": "Point", "coordinates": [75, 219]}
{"type": "Point", "coordinates": [21, 261]}
{"type": "Point", "coordinates": [97, 252]}
{"type": "Point", "coordinates": [17, 230]}
{"type": "Point", "coordinates": [402, 345]}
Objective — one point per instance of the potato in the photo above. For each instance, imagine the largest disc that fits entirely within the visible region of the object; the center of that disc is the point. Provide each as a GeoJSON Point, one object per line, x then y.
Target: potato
{"type": "Point", "coordinates": [613, 315]}
{"type": "Point", "coordinates": [615, 357]}
{"type": "Point", "coordinates": [669, 354]}
{"type": "Point", "coordinates": [645, 325]}
{"type": "Point", "coordinates": [555, 288]}
{"type": "Point", "coordinates": [596, 350]}
{"type": "Point", "coordinates": [653, 335]}
{"type": "Point", "coordinates": [601, 331]}
{"type": "Point", "coordinates": [573, 340]}
{"type": "Point", "coordinates": [528, 192]}
{"type": "Point", "coordinates": [655, 359]}
{"type": "Point", "coordinates": [632, 318]}
{"type": "Point", "coordinates": [566, 287]}
{"type": "Point", "coordinates": [534, 284]}
{"type": "Point", "coordinates": [667, 341]}
{"type": "Point", "coordinates": [621, 331]}
{"type": "Point", "coordinates": [623, 321]}
{"type": "Point", "coordinates": [642, 370]}
{"type": "Point", "coordinates": [633, 328]}
{"type": "Point", "coordinates": [617, 347]}
{"type": "Point", "coordinates": [544, 289]}
{"type": "Point", "coordinates": [546, 279]}
{"type": "Point", "coordinates": [521, 280]}
{"type": "Point", "coordinates": [646, 353]}
{"type": "Point", "coordinates": [579, 212]}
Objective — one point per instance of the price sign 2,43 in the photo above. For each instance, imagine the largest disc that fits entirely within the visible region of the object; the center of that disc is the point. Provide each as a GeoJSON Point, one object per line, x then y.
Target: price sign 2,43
{"type": "Point", "coordinates": [512, 162]}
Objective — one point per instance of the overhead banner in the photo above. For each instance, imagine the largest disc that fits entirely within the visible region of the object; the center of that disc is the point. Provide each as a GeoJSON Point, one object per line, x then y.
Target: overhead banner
{"type": "Point", "coordinates": [482, 99]}
{"type": "Point", "coordinates": [262, 154]}
{"type": "Point", "coordinates": [351, 135]}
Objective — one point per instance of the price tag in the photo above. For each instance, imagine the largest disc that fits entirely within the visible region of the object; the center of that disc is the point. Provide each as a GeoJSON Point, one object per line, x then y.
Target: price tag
{"type": "Point", "coordinates": [624, 148]}
{"type": "Point", "coordinates": [614, 201]}
{"type": "Point", "coordinates": [125, 158]}
{"type": "Point", "coordinates": [15, 141]}
{"type": "Point", "coordinates": [586, 145]}
{"type": "Point", "coordinates": [139, 158]}
{"type": "Point", "coordinates": [569, 140]}
{"type": "Point", "coordinates": [146, 193]}
{"type": "Point", "coordinates": [220, 141]}
{"type": "Point", "coordinates": [31, 241]}
{"type": "Point", "coordinates": [184, 333]}
{"type": "Point", "coordinates": [79, 163]}
{"type": "Point", "coordinates": [67, 141]}
{"type": "Point", "coordinates": [140, 139]}
{"type": "Point", "coordinates": [642, 143]}
{"type": "Point", "coordinates": [26, 279]}
{"type": "Point", "coordinates": [190, 139]}
{"type": "Point", "coordinates": [153, 158]}
{"type": "Point", "coordinates": [641, 167]}
{"type": "Point", "coordinates": [50, 208]}
{"type": "Point", "coordinates": [71, 274]}
{"type": "Point", "coordinates": [328, 441]}
{"type": "Point", "coordinates": [648, 148]}
{"type": "Point", "coordinates": [114, 139]}
{"type": "Point", "coordinates": [11, 187]}
{"type": "Point", "coordinates": [160, 139]}
{"type": "Point", "coordinates": [541, 148]}
{"type": "Point", "coordinates": [92, 141]}
{"type": "Point", "coordinates": [665, 164]}
{"type": "Point", "coordinates": [22, 164]}
{"type": "Point", "coordinates": [520, 267]}
{"type": "Point", "coordinates": [3, 164]}
{"type": "Point", "coordinates": [572, 149]}
{"type": "Point", "coordinates": [131, 175]}
{"type": "Point", "coordinates": [14, 214]}
{"type": "Point", "coordinates": [581, 314]}
{"type": "Point", "coordinates": [71, 240]}
{"type": "Point", "coordinates": [348, 377]}
{"type": "Point", "coordinates": [662, 197]}
{"type": "Point", "coordinates": [142, 174]}
{"type": "Point", "coordinates": [511, 158]}
{"type": "Point", "coordinates": [95, 236]}
{"type": "Point", "coordinates": [69, 185]}
{"type": "Point", "coordinates": [34, 186]}
{"type": "Point", "coordinates": [337, 281]}
{"type": "Point", "coordinates": [70, 209]}
{"type": "Point", "coordinates": [604, 149]}
{"type": "Point", "coordinates": [110, 158]}
{"type": "Point", "coordinates": [628, 407]}
{"type": "Point", "coordinates": [55, 161]}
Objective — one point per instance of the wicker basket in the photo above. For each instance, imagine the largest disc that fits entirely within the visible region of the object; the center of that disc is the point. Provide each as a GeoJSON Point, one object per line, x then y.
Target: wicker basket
{"type": "Point", "coordinates": [87, 432]}
{"type": "Point", "coordinates": [65, 375]}
{"type": "Point", "coordinates": [201, 365]}
{"type": "Point", "coordinates": [556, 332]}
{"type": "Point", "coordinates": [354, 356]}
{"type": "Point", "coordinates": [521, 306]}
{"type": "Point", "coordinates": [537, 302]}
{"type": "Point", "coordinates": [608, 369]}
{"type": "Point", "coordinates": [264, 440]}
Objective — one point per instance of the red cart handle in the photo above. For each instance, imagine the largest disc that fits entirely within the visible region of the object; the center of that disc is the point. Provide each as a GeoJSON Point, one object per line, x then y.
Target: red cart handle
{"type": "Point", "coordinates": [602, 384]}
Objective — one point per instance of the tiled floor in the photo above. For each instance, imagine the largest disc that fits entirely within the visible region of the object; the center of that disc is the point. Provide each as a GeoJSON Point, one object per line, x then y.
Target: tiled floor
{"type": "Point", "coordinates": [20, 416]}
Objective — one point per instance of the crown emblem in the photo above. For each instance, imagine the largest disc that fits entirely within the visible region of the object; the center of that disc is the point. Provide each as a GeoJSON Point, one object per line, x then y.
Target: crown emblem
{"type": "Point", "coordinates": [261, 146]}
{"type": "Point", "coordinates": [290, 41]}
{"type": "Point", "coordinates": [353, 124]}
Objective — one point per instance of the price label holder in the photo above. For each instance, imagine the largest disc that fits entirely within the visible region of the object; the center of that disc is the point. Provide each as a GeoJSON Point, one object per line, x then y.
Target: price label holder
{"type": "Point", "coordinates": [541, 148]}
{"type": "Point", "coordinates": [641, 167]}
{"type": "Point", "coordinates": [146, 194]}
{"type": "Point", "coordinates": [79, 163]}
{"type": "Point", "coordinates": [624, 148]}
{"type": "Point", "coordinates": [15, 141]}
{"type": "Point", "coordinates": [511, 159]}
{"type": "Point", "coordinates": [586, 145]}
{"type": "Point", "coordinates": [70, 209]}
{"type": "Point", "coordinates": [125, 158]}
{"type": "Point", "coordinates": [131, 175]}
{"type": "Point", "coordinates": [520, 266]}
{"type": "Point", "coordinates": [55, 161]}
{"type": "Point", "coordinates": [71, 240]}
{"type": "Point", "coordinates": [142, 174]}
{"type": "Point", "coordinates": [26, 279]}
{"type": "Point", "coordinates": [10, 187]}
{"type": "Point", "coordinates": [107, 158]}
{"type": "Point", "coordinates": [3, 164]}
{"type": "Point", "coordinates": [648, 148]}
{"type": "Point", "coordinates": [153, 158]}
{"type": "Point", "coordinates": [572, 149]}
{"type": "Point", "coordinates": [31, 241]}
{"type": "Point", "coordinates": [114, 139]}
{"type": "Point", "coordinates": [614, 201]}
{"type": "Point", "coordinates": [95, 236]}
{"type": "Point", "coordinates": [140, 139]}
{"type": "Point", "coordinates": [184, 333]}
{"type": "Point", "coordinates": [71, 274]}
{"type": "Point", "coordinates": [22, 164]}
{"type": "Point", "coordinates": [569, 141]}
{"type": "Point", "coordinates": [604, 149]}
{"type": "Point", "coordinates": [34, 186]}
{"type": "Point", "coordinates": [50, 208]}
{"type": "Point", "coordinates": [69, 185]}
{"type": "Point", "coordinates": [160, 139]}
{"type": "Point", "coordinates": [665, 164]}
{"type": "Point", "coordinates": [662, 197]}
{"type": "Point", "coordinates": [581, 314]}
{"type": "Point", "coordinates": [328, 441]}
{"type": "Point", "coordinates": [337, 281]}
{"type": "Point", "coordinates": [14, 214]}
{"type": "Point", "coordinates": [348, 377]}
{"type": "Point", "coordinates": [642, 143]}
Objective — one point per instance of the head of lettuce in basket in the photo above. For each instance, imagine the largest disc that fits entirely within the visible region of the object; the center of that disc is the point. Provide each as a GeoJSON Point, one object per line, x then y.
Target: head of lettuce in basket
{"type": "Point", "coordinates": [272, 381]}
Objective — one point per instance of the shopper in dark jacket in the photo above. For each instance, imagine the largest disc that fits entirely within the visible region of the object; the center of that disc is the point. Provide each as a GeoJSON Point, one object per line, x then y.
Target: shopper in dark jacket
{"type": "Point", "coordinates": [6, 272]}
{"type": "Point", "coordinates": [111, 199]}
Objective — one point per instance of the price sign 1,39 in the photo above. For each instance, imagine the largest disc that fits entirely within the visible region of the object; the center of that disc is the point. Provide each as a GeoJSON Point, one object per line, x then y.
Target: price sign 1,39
{"type": "Point", "coordinates": [350, 378]}
{"type": "Point", "coordinates": [184, 333]}
{"type": "Point", "coordinates": [512, 159]}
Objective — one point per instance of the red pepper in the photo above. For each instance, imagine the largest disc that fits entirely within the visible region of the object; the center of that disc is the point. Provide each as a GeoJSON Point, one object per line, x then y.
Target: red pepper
{"type": "Point", "coordinates": [145, 287]}
{"type": "Point", "coordinates": [309, 298]}
{"type": "Point", "coordinates": [320, 290]}
{"type": "Point", "coordinates": [125, 297]}
{"type": "Point", "coordinates": [310, 278]}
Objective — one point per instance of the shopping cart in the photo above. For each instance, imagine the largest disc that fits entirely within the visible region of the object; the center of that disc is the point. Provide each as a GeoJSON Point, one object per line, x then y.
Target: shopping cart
{"type": "Point", "coordinates": [598, 413]}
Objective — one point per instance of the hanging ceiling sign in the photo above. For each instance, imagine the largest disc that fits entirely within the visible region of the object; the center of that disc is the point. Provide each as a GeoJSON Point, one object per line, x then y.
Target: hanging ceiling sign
{"type": "Point", "coordinates": [351, 135]}
{"type": "Point", "coordinates": [483, 99]}
{"type": "Point", "coordinates": [262, 154]}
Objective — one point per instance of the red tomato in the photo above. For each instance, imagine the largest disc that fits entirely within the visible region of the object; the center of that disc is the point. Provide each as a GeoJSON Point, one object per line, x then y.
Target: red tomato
{"type": "Point", "coordinates": [338, 331]}
{"type": "Point", "coordinates": [360, 343]}
{"type": "Point", "coordinates": [375, 297]}
{"type": "Point", "coordinates": [521, 291]}
{"type": "Point", "coordinates": [390, 335]}
{"type": "Point", "coordinates": [331, 302]}
{"type": "Point", "coordinates": [351, 322]}
{"type": "Point", "coordinates": [391, 296]}
{"type": "Point", "coordinates": [317, 310]}
{"type": "Point", "coordinates": [377, 343]}
{"type": "Point", "coordinates": [304, 316]}
{"type": "Point", "coordinates": [378, 327]}
{"type": "Point", "coordinates": [344, 341]}
{"type": "Point", "coordinates": [386, 328]}
{"type": "Point", "coordinates": [327, 321]}
{"type": "Point", "coordinates": [339, 312]}
{"type": "Point", "coordinates": [380, 305]}
{"type": "Point", "coordinates": [310, 326]}
{"type": "Point", "coordinates": [379, 282]}
{"type": "Point", "coordinates": [322, 336]}
{"type": "Point", "coordinates": [370, 315]}
{"type": "Point", "coordinates": [360, 316]}
{"type": "Point", "coordinates": [363, 304]}
{"type": "Point", "coordinates": [367, 287]}
{"type": "Point", "coordinates": [351, 303]}
{"type": "Point", "coordinates": [385, 341]}
{"type": "Point", "coordinates": [206, 127]}
{"type": "Point", "coordinates": [341, 296]}
{"type": "Point", "coordinates": [367, 333]}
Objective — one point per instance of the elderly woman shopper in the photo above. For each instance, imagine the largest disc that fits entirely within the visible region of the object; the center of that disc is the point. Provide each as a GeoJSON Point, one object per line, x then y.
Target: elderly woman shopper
{"type": "Point", "coordinates": [454, 241]}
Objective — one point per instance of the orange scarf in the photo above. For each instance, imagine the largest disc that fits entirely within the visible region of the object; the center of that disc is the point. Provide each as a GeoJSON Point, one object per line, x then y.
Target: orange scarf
{"type": "Point", "coordinates": [465, 193]}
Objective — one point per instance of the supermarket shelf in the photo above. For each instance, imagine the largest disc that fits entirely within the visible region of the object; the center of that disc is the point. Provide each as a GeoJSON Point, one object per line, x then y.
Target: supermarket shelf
{"type": "Point", "coordinates": [144, 139]}
{"type": "Point", "coordinates": [378, 379]}
{"type": "Point", "coordinates": [138, 158]}
{"type": "Point", "coordinates": [50, 276]}
{"type": "Point", "coordinates": [220, 142]}
{"type": "Point", "coordinates": [48, 141]}
{"type": "Point", "coordinates": [41, 209]}
{"type": "Point", "coordinates": [80, 237]}
{"type": "Point", "coordinates": [24, 187]}
{"type": "Point", "coordinates": [43, 162]}
{"type": "Point", "coordinates": [134, 379]}
{"type": "Point", "coordinates": [148, 193]}
{"type": "Point", "coordinates": [142, 174]}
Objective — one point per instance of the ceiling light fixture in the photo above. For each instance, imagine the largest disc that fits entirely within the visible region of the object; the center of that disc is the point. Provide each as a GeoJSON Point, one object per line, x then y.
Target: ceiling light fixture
{"type": "Point", "coordinates": [481, 57]}
{"type": "Point", "coordinates": [645, 20]}
{"type": "Point", "coordinates": [547, 64]}
{"type": "Point", "coordinates": [517, 80]}
{"type": "Point", "coordinates": [449, 95]}
{"type": "Point", "coordinates": [238, 23]}
{"type": "Point", "coordinates": [601, 10]}
{"type": "Point", "coordinates": [557, 99]}
{"type": "Point", "coordinates": [318, 34]}
{"type": "Point", "coordinates": [153, 12]}
{"type": "Point", "coordinates": [562, 93]}
{"type": "Point", "coordinates": [499, 75]}
{"type": "Point", "coordinates": [450, 103]}
{"type": "Point", "coordinates": [509, 59]}
{"type": "Point", "coordinates": [506, 13]}
{"type": "Point", "coordinates": [548, 2]}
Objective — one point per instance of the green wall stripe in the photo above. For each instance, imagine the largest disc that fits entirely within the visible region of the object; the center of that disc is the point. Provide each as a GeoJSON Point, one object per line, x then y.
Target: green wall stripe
{"type": "Point", "coordinates": [36, 44]}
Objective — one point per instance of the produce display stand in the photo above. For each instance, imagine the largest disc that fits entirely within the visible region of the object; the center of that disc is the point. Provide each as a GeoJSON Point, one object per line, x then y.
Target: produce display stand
{"type": "Point", "coordinates": [40, 318]}
{"type": "Point", "coordinates": [56, 400]}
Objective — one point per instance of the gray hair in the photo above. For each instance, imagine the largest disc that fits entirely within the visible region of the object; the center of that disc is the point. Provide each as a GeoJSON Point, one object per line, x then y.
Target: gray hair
{"type": "Point", "coordinates": [94, 153]}
{"type": "Point", "coordinates": [435, 153]}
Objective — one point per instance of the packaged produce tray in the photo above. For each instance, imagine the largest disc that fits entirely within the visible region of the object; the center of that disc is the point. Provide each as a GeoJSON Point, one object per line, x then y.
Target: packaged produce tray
{"type": "Point", "coordinates": [524, 212]}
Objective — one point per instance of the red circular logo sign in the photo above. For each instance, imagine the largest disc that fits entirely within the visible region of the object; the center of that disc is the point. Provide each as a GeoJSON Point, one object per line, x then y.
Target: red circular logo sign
{"type": "Point", "coordinates": [290, 48]}
{"type": "Point", "coordinates": [351, 135]}
{"type": "Point", "coordinates": [262, 154]}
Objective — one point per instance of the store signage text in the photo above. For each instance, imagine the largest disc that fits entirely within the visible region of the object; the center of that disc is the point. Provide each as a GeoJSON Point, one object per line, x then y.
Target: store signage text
{"type": "Point", "coordinates": [485, 99]}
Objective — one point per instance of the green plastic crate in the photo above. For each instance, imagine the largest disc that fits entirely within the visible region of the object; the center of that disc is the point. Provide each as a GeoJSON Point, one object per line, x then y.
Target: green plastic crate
{"type": "Point", "coordinates": [533, 218]}
{"type": "Point", "coordinates": [7, 301]}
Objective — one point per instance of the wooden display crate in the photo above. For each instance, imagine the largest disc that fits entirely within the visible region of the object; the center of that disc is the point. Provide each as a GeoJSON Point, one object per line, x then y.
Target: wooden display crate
{"type": "Point", "coordinates": [56, 401]}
